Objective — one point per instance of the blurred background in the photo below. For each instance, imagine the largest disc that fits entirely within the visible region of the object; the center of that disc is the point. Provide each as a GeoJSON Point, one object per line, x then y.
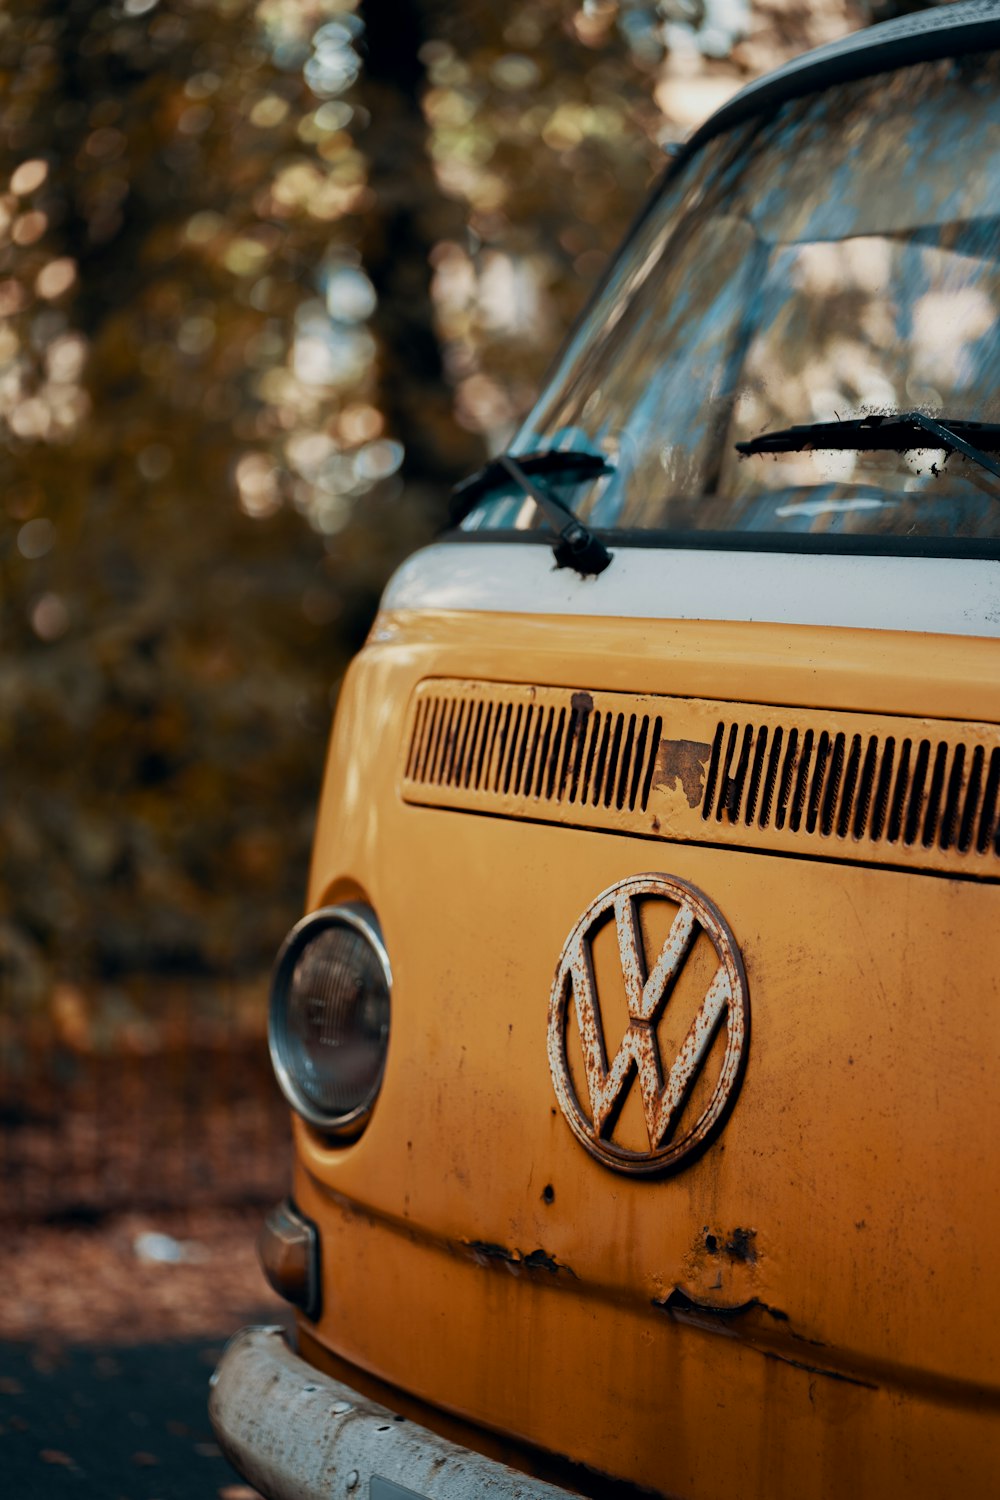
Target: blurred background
{"type": "Point", "coordinates": [274, 274]}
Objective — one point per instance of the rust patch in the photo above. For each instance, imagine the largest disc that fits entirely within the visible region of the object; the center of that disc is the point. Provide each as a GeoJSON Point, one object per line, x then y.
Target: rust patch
{"type": "Point", "coordinates": [739, 1245]}
{"type": "Point", "coordinates": [487, 1253]}
{"type": "Point", "coordinates": [541, 1261]}
{"type": "Point", "coordinates": [753, 1322]}
{"type": "Point", "coordinates": [683, 761]}
{"type": "Point", "coordinates": [683, 1305]}
{"type": "Point", "coordinates": [582, 703]}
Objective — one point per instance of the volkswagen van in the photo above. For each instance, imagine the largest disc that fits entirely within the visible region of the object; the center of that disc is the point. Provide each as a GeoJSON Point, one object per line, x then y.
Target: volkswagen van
{"type": "Point", "coordinates": [643, 1031]}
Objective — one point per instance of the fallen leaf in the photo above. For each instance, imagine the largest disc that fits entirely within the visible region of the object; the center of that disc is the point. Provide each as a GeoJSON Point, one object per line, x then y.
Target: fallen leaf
{"type": "Point", "coordinates": [10, 1387]}
{"type": "Point", "coordinates": [53, 1456]}
{"type": "Point", "coordinates": [145, 1460]}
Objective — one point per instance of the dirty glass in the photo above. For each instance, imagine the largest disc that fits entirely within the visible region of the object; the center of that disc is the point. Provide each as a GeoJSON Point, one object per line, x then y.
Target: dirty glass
{"type": "Point", "coordinates": [838, 258]}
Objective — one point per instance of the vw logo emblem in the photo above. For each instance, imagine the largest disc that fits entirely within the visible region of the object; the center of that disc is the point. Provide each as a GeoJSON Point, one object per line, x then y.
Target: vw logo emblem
{"type": "Point", "coordinates": [682, 980]}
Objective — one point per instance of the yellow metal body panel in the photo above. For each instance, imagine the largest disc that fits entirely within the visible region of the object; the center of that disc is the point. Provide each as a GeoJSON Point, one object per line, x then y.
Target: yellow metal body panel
{"type": "Point", "coordinates": [809, 1308]}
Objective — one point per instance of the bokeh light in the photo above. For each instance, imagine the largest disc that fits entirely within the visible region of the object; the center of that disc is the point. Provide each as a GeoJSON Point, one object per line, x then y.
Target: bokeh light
{"type": "Point", "coordinates": [274, 274]}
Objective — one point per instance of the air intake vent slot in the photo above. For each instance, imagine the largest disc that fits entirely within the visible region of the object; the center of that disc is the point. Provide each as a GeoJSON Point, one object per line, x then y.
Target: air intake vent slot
{"type": "Point", "coordinates": [914, 793]}
{"type": "Point", "coordinates": [571, 754]}
{"type": "Point", "coordinates": [854, 787]}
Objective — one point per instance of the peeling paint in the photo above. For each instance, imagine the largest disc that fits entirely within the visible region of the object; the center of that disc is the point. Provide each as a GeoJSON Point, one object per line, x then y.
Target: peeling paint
{"type": "Point", "coordinates": [739, 1245]}
{"type": "Point", "coordinates": [489, 1253]}
{"type": "Point", "coordinates": [683, 761]}
{"type": "Point", "coordinates": [764, 1328]}
{"type": "Point", "coordinates": [683, 1305]}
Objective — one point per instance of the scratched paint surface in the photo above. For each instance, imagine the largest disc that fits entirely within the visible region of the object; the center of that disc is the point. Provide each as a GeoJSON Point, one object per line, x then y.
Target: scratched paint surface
{"type": "Point", "coordinates": [835, 258]}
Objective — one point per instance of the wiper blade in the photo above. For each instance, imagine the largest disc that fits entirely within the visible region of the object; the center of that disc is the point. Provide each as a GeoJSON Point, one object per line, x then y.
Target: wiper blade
{"type": "Point", "coordinates": [897, 432]}
{"type": "Point", "coordinates": [575, 547]}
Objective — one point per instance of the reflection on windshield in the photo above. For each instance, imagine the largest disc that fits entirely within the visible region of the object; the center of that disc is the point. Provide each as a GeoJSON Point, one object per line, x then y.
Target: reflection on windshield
{"type": "Point", "coordinates": [837, 258]}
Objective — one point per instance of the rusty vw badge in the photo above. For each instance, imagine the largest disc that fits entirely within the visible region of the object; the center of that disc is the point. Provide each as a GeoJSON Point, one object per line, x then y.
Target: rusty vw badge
{"type": "Point", "coordinates": [670, 974]}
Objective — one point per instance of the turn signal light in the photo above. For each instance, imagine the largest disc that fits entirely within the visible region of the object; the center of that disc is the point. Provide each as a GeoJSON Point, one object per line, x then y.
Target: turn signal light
{"type": "Point", "coordinates": [288, 1248]}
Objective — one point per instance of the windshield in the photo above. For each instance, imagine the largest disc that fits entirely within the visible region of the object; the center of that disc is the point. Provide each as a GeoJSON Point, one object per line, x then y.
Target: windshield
{"type": "Point", "coordinates": [838, 257]}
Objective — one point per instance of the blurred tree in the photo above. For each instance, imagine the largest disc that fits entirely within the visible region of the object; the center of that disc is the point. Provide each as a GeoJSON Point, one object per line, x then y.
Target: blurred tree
{"type": "Point", "coordinates": [404, 220]}
{"type": "Point", "coordinates": [261, 261]}
{"type": "Point", "coordinates": [188, 375]}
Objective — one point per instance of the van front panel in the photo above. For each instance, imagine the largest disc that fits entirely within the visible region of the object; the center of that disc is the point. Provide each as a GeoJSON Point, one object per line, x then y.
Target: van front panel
{"type": "Point", "coordinates": [828, 1246]}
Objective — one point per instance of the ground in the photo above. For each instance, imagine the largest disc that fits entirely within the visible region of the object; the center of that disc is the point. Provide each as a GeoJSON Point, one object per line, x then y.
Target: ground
{"type": "Point", "coordinates": [108, 1334]}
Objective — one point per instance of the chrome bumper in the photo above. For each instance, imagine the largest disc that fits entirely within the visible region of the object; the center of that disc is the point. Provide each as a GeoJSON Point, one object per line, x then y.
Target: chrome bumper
{"type": "Point", "coordinates": [297, 1434]}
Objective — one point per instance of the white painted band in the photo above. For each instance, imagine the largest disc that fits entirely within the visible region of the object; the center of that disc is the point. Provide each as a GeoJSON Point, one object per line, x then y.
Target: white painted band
{"type": "Point", "coordinates": [937, 595]}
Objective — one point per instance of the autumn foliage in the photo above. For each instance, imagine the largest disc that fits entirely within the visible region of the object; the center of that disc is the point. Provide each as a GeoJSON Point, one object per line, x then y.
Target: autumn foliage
{"type": "Point", "coordinates": [274, 274]}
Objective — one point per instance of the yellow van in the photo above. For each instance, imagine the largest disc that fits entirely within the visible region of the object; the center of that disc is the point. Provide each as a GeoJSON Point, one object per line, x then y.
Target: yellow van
{"type": "Point", "coordinates": [643, 1034]}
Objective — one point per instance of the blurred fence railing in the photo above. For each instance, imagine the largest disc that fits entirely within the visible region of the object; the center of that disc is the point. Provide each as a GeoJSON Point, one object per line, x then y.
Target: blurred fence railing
{"type": "Point", "coordinates": [146, 1096]}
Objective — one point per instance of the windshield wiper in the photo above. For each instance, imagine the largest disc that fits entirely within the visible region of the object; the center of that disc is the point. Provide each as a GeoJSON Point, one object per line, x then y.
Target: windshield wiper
{"type": "Point", "coordinates": [575, 547]}
{"type": "Point", "coordinates": [898, 432]}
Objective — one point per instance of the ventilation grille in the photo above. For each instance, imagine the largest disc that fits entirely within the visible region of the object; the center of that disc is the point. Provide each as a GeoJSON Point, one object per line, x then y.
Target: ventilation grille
{"type": "Point", "coordinates": [912, 793]}
{"type": "Point", "coordinates": [897, 789]}
{"type": "Point", "coordinates": [571, 754]}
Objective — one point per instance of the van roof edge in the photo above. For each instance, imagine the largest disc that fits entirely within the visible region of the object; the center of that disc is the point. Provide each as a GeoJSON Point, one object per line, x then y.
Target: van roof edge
{"type": "Point", "coordinates": [946, 31]}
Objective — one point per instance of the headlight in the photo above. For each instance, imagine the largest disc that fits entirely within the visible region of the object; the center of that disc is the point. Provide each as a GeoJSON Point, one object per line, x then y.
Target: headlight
{"type": "Point", "coordinates": [329, 1018]}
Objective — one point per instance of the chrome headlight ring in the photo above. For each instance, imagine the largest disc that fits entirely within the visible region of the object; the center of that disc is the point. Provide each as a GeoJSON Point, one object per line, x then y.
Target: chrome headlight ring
{"type": "Point", "coordinates": [328, 1024]}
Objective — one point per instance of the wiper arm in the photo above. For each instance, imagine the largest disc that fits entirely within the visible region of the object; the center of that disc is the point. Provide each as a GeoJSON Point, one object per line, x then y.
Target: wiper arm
{"type": "Point", "coordinates": [575, 547]}
{"type": "Point", "coordinates": [908, 429]}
